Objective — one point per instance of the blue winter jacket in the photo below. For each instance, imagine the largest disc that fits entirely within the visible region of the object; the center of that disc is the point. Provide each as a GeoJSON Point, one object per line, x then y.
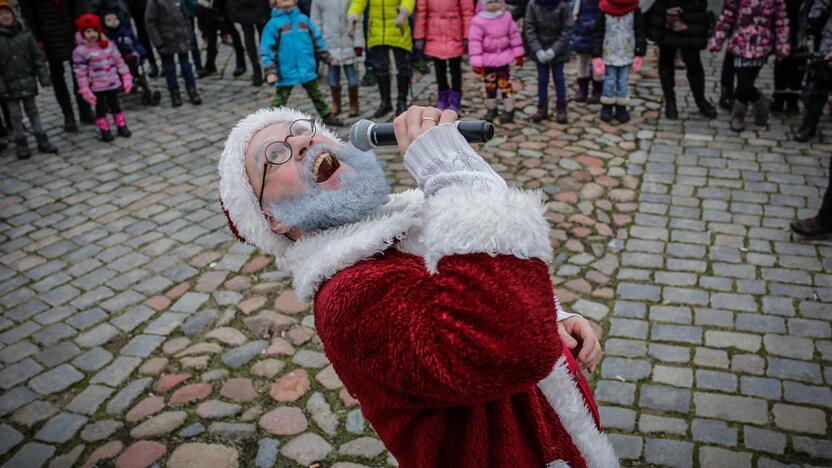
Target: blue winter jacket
{"type": "Point", "coordinates": [287, 47]}
{"type": "Point", "coordinates": [587, 13]}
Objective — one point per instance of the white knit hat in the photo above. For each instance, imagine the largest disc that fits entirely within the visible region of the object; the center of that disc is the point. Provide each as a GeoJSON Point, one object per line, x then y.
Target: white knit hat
{"type": "Point", "coordinates": [237, 198]}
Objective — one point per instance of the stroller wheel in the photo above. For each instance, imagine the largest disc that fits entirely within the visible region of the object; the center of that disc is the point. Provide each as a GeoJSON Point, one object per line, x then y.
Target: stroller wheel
{"type": "Point", "coordinates": [146, 97]}
{"type": "Point", "coordinates": [157, 98]}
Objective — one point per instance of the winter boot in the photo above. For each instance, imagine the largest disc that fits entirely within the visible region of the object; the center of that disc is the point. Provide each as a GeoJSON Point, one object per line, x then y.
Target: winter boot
{"type": "Point", "coordinates": [403, 86]}
{"type": "Point", "coordinates": [670, 110]}
{"type": "Point", "coordinates": [384, 106]}
{"type": "Point", "coordinates": [22, 148]}
{"type": "Point", "coordinates": [507, 116]}
{"type": "Point", "coordinates": [70, 125]}
{"type": "Point", "coordinates": [193, 97]}
{"type": "Point", "coordinates": [726, 97]}
{"type": "Point", "coordinates": [104, 125]}
{"type": "Point", "coordinates": [738, 116]}
{"type": "Point", "coordinates": [442, 101]}
{"type": "Point", "coordinates": [760, 109]}
{"type": "Point", "coordinates": [705, 107]}
{"type": "Point", "coordinates": [778, 102]}
{"type": "Point", "coordinates": [43, 144]}
{"type": "Point", "coordinates": [455, 100]}
{"type": "Point", "coordinates": [814, 109]}
{"type": "Point", "coordinates": [542, 113]}
{"type": "Point", "coordinates": [792, 105]}
{"type": "Point", "coordinates": [121, 125]}
{"type": "Point", "coordinates": [583, 90]}
{"type": "Point", "coordinates": [332, 120]}
{"type": "Point", "coordinates": [606, 113]}
{"type": "Point", "coordinates": [491, 110]}
{"type": "Point", "coordinates": [154, 69]}
{"type": "Point", "coordinates": [175, 98]}
{"type": "Point", "coordinates": [257, 76]}
{"type": "Point", "coordinates": [561, 117]}
{"type": "Point", "coordinates": [208, 70]}
{"type": "Point", "coordinates": [597, 89]}
{"type": "Point", "coordinates": [241, 65]}
{"type": "Point", "coordinates": [810, 227]}
{"type": "Point", "coordinates": [354, 112]}
{"type": "Point", "coordinates": [336, 100]}
{"type": "Point", "coordinates": [621, 113]}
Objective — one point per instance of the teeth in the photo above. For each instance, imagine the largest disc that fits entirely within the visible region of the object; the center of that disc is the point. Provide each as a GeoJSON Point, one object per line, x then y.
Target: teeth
{"type": "Point", "coordinates": [318, 161]}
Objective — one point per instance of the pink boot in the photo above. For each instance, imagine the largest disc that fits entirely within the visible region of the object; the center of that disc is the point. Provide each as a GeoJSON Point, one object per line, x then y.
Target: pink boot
{"type": "Point", "coordinates": [104, 125]}
{"type": "Point", "coordinates": [121, 125]}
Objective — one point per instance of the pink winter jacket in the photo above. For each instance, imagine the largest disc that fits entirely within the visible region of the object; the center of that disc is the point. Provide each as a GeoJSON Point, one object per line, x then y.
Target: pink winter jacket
{"type": "Point", "coordinates": [443, 25]}
{"type": "Point", "coordinates": [753, 28]}
{"type": "Point", "coordinates": [494, 42]}
{"type": "Point", "coordinates": [97, 68]}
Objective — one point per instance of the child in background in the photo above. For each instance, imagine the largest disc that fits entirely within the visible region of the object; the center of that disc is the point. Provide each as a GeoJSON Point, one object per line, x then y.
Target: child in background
{"type": "Point", "coordinates": [619, 43]}
{"type": "Point", "coordinates": [169, 28]}
{"type": "Point", "coordinates": [548, 28]}
{"type": "Point", "coordinates": [101, 72]}
{"type": "Point", "coordinates": [441, 30]}
{"type": "Point", "coordinates": [330, 16]}
{"type": "Point", "coordinates": [586, 13]}
{"type": "Point", "coordinates": [289, 46]}
{"type": "Point", "coordinates": [22, 67]}
{"type": "Point", "coordinates": [493, 43]}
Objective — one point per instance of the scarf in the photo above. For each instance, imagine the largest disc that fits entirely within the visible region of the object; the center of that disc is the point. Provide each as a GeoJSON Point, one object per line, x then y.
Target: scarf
{"type": "Point", "coordinates": [617, 7]}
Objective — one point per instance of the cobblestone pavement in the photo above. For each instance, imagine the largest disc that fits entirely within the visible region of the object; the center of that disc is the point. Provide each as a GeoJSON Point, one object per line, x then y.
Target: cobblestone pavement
{"type": "Point", "coordinates": [134, 331]}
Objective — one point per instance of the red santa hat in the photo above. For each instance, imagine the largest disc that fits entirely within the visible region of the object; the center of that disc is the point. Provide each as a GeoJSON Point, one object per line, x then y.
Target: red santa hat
{"type": "Point", "coordinates": [88, 20]}
{"type": "Point", "coordinates": [237, 198]}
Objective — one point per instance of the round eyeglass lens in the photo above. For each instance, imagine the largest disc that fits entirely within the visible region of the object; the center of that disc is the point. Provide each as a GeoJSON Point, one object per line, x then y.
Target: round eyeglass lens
{"type": "Point", "coordinates": [303, 127]}
{"type": "Point", "coordinates": [278, 152]}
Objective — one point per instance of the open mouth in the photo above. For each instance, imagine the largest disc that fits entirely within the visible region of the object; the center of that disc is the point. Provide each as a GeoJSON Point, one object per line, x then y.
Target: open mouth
{"type": "Point", "coordinates": [324, 167]}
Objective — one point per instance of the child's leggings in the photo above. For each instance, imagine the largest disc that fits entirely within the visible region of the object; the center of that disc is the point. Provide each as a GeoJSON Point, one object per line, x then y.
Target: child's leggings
{"type": "Point", "coordinates": [281, 96]}
{"type": "Point", "coordinates": [497, 79]}
{"type": "Point", "coordinates": [107, 102]}
{"type": "Point", "coordinates": [585, 67]}
{"type": "Point", "coordinates": [543, 82]}
{"type": "Point", "coordinates": [441, 67]}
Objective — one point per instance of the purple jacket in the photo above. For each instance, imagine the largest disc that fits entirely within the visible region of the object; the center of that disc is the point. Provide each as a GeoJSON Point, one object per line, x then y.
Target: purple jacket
{"type": "Point", "coordinates": [494, 42]}
{"type": "Point", "coordinates": [97, 68]}
{"type": "Point", "coordinates": [753, 28]}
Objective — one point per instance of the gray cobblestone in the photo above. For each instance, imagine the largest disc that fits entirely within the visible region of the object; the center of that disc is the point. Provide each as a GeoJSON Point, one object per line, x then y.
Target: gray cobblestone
{"type": "Point", "coordinates": [617, 418]}
{"type": "Point", "coordinates": [723, 458]}
{"type": "Point", "coordinates": [625, 446]}
{"type": "Point", "coordinates": [61, 428]}
{"type": "Point", "coordinates": [667, 452]}
{"type": "Point", "coordinates": [615, 392]}
{"type": "Point", "coordinates": [734, 408]}
{"type": "Point", "coordinates": [764, 440]}
{"type": "Point", "coordinates": [792, 369]}
{"type": "Point", "coordinates": [714, 432]}
{"type": "Point", "coordinates": [660, 424]}
{"type": "Point", "coordinates": [664, 398]}
{"type": "Point", "coordinates": [668, 353]}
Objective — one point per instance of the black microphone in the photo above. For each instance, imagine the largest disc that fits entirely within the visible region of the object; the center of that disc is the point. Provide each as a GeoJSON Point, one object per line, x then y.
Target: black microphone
{"type": "Point", "coordinates": [366, 135]}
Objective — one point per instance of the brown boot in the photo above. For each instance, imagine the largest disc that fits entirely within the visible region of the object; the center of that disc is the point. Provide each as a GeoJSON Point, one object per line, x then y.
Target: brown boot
{"type": "Point", "coordinates": [354, 112]}
{"type": "Point", "coordinates": [336, 100]}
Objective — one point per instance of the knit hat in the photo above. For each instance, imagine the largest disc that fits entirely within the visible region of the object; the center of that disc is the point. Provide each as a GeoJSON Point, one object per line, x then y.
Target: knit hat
{"type": "Point", "coordinates": [237, 198]}
{"type": "Point", "coordinates": [88, 20]}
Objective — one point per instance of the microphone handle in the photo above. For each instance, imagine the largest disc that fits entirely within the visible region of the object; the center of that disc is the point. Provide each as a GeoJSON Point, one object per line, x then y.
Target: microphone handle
{"type": "Point", "coordinates": [474, 131]}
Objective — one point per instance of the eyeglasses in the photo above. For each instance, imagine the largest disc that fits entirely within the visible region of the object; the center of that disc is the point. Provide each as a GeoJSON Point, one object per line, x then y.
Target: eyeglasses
{"type": "Point", "coordinates": [280, 152]}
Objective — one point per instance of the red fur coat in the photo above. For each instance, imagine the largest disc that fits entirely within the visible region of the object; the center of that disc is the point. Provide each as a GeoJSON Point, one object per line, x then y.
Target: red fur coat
{"type": "Point", "coordinates": [439, 317]}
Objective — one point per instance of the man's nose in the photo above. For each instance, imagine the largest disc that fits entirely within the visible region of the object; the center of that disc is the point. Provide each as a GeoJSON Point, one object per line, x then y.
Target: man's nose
{"type": "Point", "coordinates": [300, 145]}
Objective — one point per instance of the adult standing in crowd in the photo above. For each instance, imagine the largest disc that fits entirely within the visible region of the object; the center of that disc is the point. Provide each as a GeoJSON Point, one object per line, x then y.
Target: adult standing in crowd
{"type": "Point", "coordinates": [789, 72]}
{"type": "Point", "coordinates": [53, 24]}
{"type": "Point", "coordinates": [681, 26]}
{"type": "Point", "coordinates": [137, 8]}
{"type": "Point", "coordinates": [214, 22]}
{"type": "Point", "coordinates": [170, 30]}
{"type": "Point", "coordinates": [330, 16]}
{"type": "Point", "coordinates": [251, 14]}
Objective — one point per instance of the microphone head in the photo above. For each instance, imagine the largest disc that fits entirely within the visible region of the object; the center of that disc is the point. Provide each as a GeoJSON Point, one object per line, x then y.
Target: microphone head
{"type": "Point", "coordinates": [360, 135]}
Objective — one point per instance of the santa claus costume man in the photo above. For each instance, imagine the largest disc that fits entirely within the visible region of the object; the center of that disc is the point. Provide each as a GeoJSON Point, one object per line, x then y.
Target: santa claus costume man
{"type": "Point", "coordinates": [434, 305]}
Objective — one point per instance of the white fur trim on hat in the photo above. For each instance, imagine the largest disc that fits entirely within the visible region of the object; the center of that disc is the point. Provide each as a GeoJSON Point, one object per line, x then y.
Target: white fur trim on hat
{"type": "Point", "coordinates": [237, 196]}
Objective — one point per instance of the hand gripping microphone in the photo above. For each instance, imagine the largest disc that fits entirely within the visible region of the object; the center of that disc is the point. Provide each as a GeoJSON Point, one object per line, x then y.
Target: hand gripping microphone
{"type": "Point", "coordinates": [366, 135]}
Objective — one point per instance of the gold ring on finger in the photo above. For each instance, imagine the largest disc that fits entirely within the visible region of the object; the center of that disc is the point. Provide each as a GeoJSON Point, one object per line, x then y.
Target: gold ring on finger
{"type": "Point", "coordinates": [429, 118]}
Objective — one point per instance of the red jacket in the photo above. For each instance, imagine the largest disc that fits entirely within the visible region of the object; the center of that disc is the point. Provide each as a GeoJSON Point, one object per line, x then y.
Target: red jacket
{"type": "Point", "coordinates": [446, 332]}
{"type": "Point", "coordinates": [443, 25]}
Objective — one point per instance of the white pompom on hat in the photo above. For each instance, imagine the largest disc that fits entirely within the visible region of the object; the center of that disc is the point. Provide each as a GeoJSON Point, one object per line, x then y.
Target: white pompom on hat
{"type": "Point", "coordinates": [237, 198]}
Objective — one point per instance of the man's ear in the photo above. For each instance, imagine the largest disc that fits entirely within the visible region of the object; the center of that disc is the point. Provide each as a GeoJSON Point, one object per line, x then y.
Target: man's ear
{"type": "Point", "coordinates": [274, 224]}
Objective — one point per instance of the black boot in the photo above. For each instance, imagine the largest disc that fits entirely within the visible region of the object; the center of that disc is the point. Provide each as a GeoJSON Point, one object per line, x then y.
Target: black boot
{"type": "Point", "coordinates": [778, 102]}
{"type": "Point", "coordinates": [193, 97]}
{"type": "Point", "coordinates": [208, 70]}
{"type": "Point", "coordinates": [107, 136]}
{"type": "Point", "coordinates": [670, 110]}
{"type": "Point", "coordinates": [705, 107]}
{"type": "Point", "coordinates": [814, 109]}
{"type": "Point", "coordinates": [43, 144]}
{"type": "Point", "coordinates": [257, 76]}
{"type": "Point", "coordinates": [403, 86]}
{"type": "Point", "coordinates": [175, 98]}
{"type": "Point", "coordinates": [621, 113]}
{"type": "Point", "coordinates": [726, 98]}
{"type": "Point", "coordinates": [241, 68]}
{"type": "Point", "coordinates": [606, 112]}
{"type": "Point", "coordinates": [153, 71]}
{"type": "Point", "coordinates": [123, 131]}
{"type": "Point", "coordinates": [70, 125]}
{"type": "Point", "coordinates": [385, 106]}
{"type": "Point", "coordinates": [332, 120]}
{"type": "Point", "coordinates": [22, 148]}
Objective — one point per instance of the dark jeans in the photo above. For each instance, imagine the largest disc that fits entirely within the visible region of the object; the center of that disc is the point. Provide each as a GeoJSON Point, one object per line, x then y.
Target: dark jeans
{"type": "Point", "coordinates": [825, 213]}
{"type": "Point", "coordinates": [169, 69]}
{"type": "Point", "coordinates": [441, 66]}
{"type": "Point", "coordinates": [693, 64]}
{"type": "Point", "coordinates": [370, 59]}
{"type": "Point", "coordinates": [728, 76]}
{"type": "Point", "coordinates": [252, 48]}
{"type": "Point", "coordinates": [212, 27]}
{"type": "Point", "coordinates": [788, 74]}
{"type": "Point", "coordinates": [746, 77]}
{"type": "Point", "coordinates": [543, 83]}
{"type": "Point", "coordinates": [56, 77]}
{"type": "Point", "coordinates": [401, 57]}
{"type": "Point", "coordinates": [137, 12]}
{"type": "Point", "coordinates": [16, 109]}
{"type": "Point", "coordinates": [107, 102]}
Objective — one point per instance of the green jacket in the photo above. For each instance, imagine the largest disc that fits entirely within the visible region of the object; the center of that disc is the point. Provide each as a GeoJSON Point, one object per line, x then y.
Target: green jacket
{"type": "Point", "coordinates": [21, 64]}
{"type": "Point", "coordinates": [383, 30]}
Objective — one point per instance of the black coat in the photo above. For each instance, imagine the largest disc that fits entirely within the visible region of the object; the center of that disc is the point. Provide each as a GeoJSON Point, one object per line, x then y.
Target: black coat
{"type": "Point", "coordinates": [168, 26]}
{"type": "Point", "coordinates": [695, 14]}
{"type": "Point", "coordinates": [54, 25]}
{"type": "Point", "coordinates": [601, 29]}
{"type": "Point", "coordinates": [248, 11]}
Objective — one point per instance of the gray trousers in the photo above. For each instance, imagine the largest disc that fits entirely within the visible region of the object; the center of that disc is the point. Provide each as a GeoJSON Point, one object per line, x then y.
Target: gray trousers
{"type": "Point", "coordinates": [16, 108]}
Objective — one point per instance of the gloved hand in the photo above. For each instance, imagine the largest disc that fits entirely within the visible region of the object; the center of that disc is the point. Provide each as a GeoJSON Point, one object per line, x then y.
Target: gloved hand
{"type": "Point", "coordinates": [89, 96]}
{"type": "Point", "coordinates": [637, 62]}
{"type": "Point", "coordinates": [598, 66]}
{"type": "Point", "coordinates": [542, 56]}
{"type": "Point", "coordinates": [479, 70]}
{"type": "Point", "coordinates": [519, 61]}
{"type": "Point", "coordinates": [401, 18]}
{"type": "Point", "coordinates": [550, 55]}
{"type": "Point", "coordinates": [127, 83]}
{"type": "Point", "coordinates": [419, 44]}
{"type": "Point", "coordinates": [359, 51]}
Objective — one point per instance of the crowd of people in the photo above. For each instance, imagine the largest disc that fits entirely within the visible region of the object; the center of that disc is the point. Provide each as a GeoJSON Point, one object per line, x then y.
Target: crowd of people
{"type": "Point", "coordinates": [607, 39]}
